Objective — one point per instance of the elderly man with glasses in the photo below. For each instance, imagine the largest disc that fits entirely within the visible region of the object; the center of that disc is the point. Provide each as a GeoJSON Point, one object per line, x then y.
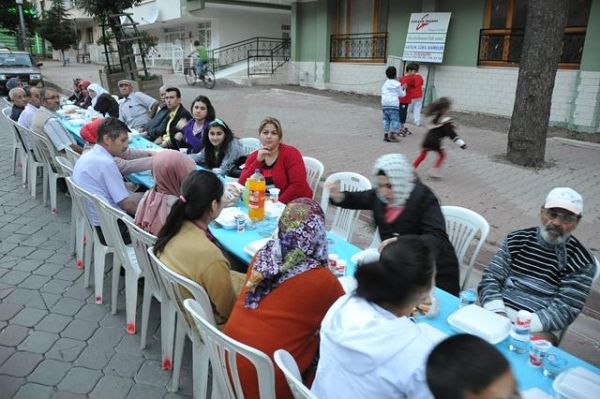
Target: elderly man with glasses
{"type": "Point", "coordinates": [137, 108]}
{"type": "Point", "coordinates": [45, 121]}
{"type": "Point", "coordinates": [544, 270]}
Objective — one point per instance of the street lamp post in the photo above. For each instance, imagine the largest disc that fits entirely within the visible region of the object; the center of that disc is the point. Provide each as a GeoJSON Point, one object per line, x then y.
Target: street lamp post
{"type": "Point", "coordinates": [22, 20]}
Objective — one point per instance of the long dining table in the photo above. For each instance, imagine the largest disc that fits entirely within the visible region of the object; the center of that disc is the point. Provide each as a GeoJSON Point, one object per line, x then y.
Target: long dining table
{"type": "Point", "coordinates": [237, 244]}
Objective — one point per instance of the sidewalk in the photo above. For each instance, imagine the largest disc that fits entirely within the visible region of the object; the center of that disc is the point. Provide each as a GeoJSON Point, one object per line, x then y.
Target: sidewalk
{"type": "Point", "coordinates": [56, 343]}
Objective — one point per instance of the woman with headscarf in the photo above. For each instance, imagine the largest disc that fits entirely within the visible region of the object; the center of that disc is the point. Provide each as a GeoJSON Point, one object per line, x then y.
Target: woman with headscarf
{"type": "Point", "coordinates": [288, 291]}
{"type": "Point", "coordinates": [169, 169]}
{"type": "Point", "coordinates": [402, 205]}
{"type": "Point", "coordinates": [84, 100]}
{"type": "Point", "coordinates": [131, 161]}
{"type": "Point", "coordinates": [94, 91]}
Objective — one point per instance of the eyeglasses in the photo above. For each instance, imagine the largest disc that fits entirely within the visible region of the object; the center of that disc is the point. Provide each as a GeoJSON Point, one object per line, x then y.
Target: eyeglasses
{"type": "Point", "coordinates": [563, 217]}
{"type": "Point", "coordinates": [124, 84]}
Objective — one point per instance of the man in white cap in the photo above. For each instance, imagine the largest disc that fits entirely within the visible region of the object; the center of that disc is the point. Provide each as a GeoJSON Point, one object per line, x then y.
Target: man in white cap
{"type": "Point", "coordinates": [137, 108]}
{"type": "Point", "coordinates": [544, 270]}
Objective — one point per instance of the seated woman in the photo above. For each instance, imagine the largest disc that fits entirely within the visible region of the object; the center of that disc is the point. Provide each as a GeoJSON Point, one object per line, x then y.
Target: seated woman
{"type": "Point", "coordinates": [401, 205]}
{"type": "Point", "coordinates": [186, 246]}
{"type": "Point", "coordinates": [288, 292]}
{"type": "Point", "coordinates": [169, 169]}
{"type": "Point", "coordinates": [281, 164]}
{"type": "Point", "coordinates": [220, 148]}
{"type": "Point", "coordinates": [85, 99]}
{"type": "Point", "coordinates": [370, 347]}
{"type": "Point", "coordinates": [94, 91]}
{"type": "Point", "coordinates": [131, 161]}
{"type": "Point", "coordinates": [193, 132]}
{"type": "Point", "coordinates": [455, 372]}
{"type": "Point", "coordinates": [107, 105]}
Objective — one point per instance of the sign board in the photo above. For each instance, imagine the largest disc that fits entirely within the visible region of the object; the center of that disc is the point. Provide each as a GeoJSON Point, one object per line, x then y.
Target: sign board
{"type": "Point", "coordinates": [426, 37]}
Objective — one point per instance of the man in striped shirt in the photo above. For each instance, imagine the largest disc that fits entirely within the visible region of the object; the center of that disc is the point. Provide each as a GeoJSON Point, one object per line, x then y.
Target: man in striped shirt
{"type": "Point", "coordinates": [544, 270]}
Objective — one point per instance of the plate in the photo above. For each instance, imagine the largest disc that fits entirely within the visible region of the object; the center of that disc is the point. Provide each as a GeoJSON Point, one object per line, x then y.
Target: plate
{"type": "Point", "coordinates": [77, 122]}
{"type": "Point", "coordinates": [252, 248]}
{"type": "Point", "coordinates": [473, 319]}
{"type": "Point", "coordinates": [273, 210]}
{"type": "Point", "coordinates": [227, 217]}
{"type": "Point", "coordinates": [577, 383]}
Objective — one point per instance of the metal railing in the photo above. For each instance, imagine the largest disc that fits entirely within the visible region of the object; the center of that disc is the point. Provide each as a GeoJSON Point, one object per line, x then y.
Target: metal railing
{"type": "Point", "coordinates": [236, 52]}
{"type": "Point", "coordinates": [504, 46]}
{"type": "Point", "coordinates": [267, 61]}
{"type": "Point", "coordinates": [371, 47]}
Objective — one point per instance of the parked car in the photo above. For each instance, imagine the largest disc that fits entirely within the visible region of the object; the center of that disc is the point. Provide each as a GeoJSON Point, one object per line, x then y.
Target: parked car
{"type": "Point", "coordinates": [19, 64]}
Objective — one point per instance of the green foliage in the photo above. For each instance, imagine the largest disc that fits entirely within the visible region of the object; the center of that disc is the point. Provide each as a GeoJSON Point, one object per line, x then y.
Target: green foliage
{"type": "Point", "coordinates": [9, 16]}
{"type": "Point", "coordinates": [147, 42]}
{"type": "Point", "coordinates": [58, 28]}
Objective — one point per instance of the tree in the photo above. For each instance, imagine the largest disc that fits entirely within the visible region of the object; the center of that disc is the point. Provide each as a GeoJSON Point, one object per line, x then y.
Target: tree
{"type": "Point", "coordinates": [58, 28]}
{"type": "Point", "coordinates": [103, 10]}
{"type": "Point", "coordinates": [540, 55]}
{"type": "Point", "coordinates": [9, 17]}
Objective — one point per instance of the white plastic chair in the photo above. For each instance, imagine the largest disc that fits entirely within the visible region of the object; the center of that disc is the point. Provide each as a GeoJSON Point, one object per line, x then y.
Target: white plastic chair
{"type": "Point", "coordinates": [109, 221]}
{"type": "Point", "coordinates": [173, 284]}
{"type": "Point", "coordinates": [314, 171]}
{"type": "Point", "coordinates": [249, 145]}
{"type": "Point", "coordinates": [19, 150]}
{"type": "Point", "coordinates": [83, 197]}
{"type": "Point", "coordinates": [224, 352]}
{"type": "Point", "coordinates": [72, 155]}
{"type": "Point", "coordinates": [47, 153]}
{"type": "Point", "coordinates": [462, 225]}
{"type": "Point", "coordinates": [77, 223]}
{"type": "Point", "coordinates": [288, 365]}
{"type": "Point", "coordinates": [35, 162]}
{"type": "Point", "coordinates": [344, 220]}
{"type": "Point", "coordinates": [153, 287]}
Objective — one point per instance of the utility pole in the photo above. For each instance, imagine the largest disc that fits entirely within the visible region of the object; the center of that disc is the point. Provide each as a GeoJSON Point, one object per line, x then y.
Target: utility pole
{"type": "Point", "coordinates": [22, 21]}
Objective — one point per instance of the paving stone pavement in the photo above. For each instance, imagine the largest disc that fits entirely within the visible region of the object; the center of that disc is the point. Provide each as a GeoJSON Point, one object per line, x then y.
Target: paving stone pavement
{"type": "Point", "coordinates": [56, 342]}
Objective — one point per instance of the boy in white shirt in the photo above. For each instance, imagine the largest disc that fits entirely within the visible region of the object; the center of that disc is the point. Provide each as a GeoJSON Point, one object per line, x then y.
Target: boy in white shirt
{"type": "Point", "coordinates": [390, 104]}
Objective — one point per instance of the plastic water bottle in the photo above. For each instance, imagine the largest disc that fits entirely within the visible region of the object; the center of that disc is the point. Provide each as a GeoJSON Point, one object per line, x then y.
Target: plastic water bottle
{"type": "Point", "coordinates": [520, 333]}
{"type": "Point", "coordinates": [256, 196]}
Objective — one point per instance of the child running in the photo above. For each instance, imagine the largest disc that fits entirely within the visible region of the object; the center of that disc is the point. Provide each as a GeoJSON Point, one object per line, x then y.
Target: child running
{"type": "Point", "coordinates": [442, 127]}
{"type": "Point", "coordinates": [390, 92]}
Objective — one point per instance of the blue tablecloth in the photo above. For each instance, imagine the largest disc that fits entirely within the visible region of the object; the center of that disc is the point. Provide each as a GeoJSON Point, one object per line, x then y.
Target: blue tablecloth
{"type": "Point", "coordinates": [137, 143]}
{"type": "Point", "coordinates": [527, 376]}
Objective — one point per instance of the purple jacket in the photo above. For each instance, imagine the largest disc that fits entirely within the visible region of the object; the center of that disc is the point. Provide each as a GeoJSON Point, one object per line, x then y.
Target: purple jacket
{"type": "Point", "coordinates": [194, 141]}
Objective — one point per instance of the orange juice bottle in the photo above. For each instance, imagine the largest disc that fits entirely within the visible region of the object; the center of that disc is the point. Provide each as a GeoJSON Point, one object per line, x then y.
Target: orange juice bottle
{"type": "Point", "coordinates": [256, 196]}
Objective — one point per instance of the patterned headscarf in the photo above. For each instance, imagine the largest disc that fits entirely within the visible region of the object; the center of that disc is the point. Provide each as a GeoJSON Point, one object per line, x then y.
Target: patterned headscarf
{"type": "Point", "coordinates": [400, 173]}
{"type": "Point", "coordinates": [301, 245]}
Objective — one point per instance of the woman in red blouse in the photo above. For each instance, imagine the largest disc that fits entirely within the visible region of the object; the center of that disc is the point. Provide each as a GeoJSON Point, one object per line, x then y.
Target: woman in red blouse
{"type": "Point", "coordinates": [281, 164]}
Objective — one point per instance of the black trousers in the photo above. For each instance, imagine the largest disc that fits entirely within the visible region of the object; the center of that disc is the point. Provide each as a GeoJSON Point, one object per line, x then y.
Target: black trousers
{"type": "Point", "coordinates": [403, 113]}
{"type": "Point", "coordinates": [122, 229]}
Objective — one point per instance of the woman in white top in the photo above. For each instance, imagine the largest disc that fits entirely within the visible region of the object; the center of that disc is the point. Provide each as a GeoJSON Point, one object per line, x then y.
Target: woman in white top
{"type": "Point", "coordinates": [370, 347]}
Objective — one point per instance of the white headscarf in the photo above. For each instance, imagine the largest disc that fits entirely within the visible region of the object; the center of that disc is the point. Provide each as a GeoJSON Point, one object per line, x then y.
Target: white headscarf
{"type": "Point", "coordinates": [98, 90]}
{"type": "Point", "coordinates": [400, 173]}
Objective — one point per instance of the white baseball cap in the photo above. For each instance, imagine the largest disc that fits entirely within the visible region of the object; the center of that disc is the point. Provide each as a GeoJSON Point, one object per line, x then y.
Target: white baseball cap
{"type": "Point", "coordinates": [564, 198]}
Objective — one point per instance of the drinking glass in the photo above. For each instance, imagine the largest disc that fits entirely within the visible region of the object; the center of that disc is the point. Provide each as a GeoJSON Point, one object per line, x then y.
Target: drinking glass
{"type": "Point", "coordinates": [554, 365]}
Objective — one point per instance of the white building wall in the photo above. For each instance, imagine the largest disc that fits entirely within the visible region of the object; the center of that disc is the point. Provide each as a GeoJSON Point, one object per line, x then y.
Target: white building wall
{"type": "Point", "coordinates": [486, 90]}
{"type": "Point", "coordinates": [230, 25]}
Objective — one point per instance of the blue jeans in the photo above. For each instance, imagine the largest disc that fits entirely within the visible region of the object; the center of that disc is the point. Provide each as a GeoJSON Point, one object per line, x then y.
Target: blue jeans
{"type": "Point", "coordinates": [201, 67]}
{"type": "Point", "coordinates": [390, 120]}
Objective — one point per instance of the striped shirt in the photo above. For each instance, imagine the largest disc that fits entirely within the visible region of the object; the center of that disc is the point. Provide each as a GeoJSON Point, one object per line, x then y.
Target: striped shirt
{"type": "Point", "coordinates": [551, 281]}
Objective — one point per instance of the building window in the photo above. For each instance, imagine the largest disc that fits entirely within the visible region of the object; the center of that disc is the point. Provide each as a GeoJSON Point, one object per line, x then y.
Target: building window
{"type": "Point", "coordinates": [174, 35]}
{"type": "Point", "coordinates": [360, 28]}
{"type": "Point", "coordinates": [204, 36]}
{"type": "Point", "coordinates": [501, 40]}
{"type": "Point", "coordinates": [89, 35]}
